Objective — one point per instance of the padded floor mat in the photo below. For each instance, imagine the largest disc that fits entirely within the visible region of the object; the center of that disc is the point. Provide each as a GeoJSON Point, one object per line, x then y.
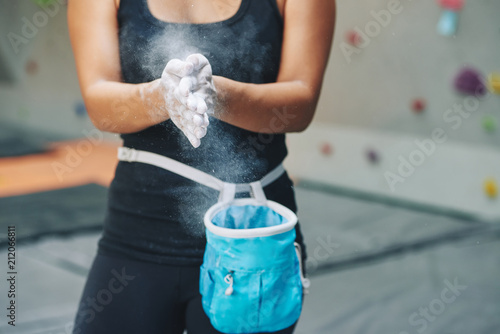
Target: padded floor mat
{"type": "Point", "coordinates": [59, 211]}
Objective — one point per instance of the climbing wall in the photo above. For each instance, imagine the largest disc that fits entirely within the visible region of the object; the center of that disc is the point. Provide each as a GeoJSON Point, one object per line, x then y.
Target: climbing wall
{"type": "Point", "coordinates": [38, 82]}
{"type": "Point", "coordinates": [374, 85]}
{"type": "Point", "coordinates": [409, 109]}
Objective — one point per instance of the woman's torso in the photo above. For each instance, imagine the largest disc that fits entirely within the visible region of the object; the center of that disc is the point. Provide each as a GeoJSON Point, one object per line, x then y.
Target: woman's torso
{"type": "Point", "coordinates": [154, 214]}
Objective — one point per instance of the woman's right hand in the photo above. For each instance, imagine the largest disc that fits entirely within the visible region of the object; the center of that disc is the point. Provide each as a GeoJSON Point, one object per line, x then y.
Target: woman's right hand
{"type": "Point", "coordinates": [189, 95]}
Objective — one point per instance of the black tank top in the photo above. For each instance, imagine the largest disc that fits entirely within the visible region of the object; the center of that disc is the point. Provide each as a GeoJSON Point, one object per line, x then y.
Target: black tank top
{"type": "Point", "coordinates": [153, 214]}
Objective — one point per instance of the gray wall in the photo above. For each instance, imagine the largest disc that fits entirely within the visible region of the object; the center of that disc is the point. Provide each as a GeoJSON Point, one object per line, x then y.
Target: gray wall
{"type": "Point", "coordinates": [373, 89]}
{"type": "Point", "coordinates": [45, 100]}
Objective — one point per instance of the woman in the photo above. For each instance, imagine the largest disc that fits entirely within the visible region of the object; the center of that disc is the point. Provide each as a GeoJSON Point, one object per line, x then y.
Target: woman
{"type": "Point", "coordinates": [268, 59]}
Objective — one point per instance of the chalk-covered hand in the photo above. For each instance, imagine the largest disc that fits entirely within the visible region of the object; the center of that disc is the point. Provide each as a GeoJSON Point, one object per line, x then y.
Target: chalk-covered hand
{"type": "Point", "coordinates": [189, 95]}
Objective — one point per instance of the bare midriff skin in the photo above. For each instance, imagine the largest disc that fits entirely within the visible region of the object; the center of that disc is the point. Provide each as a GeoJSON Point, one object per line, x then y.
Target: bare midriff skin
{"type": "Point", "coordinates": [120, 107]}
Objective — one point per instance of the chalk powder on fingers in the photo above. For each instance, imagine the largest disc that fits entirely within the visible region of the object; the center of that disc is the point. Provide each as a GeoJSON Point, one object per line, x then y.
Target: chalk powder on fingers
{"type": "Point", "coordinates": [188, 95]}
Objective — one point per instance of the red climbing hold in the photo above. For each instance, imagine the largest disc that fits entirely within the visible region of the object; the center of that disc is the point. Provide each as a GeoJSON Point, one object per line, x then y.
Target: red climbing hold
{"type": "Point", "coordinates": [326, 149]}
{"type": "Point", "coordinates": [454, 5]}
{"type": "Point", "coordinates": [353, 38]}
{"type": "Point", "coordinates": [418, 105]}
{"type": "Point", "coordinates": [31, 67]}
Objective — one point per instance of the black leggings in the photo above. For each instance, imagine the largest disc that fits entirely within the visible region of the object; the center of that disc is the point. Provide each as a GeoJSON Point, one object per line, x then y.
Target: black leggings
{"type": "Point", "coordinates": [134, 297]}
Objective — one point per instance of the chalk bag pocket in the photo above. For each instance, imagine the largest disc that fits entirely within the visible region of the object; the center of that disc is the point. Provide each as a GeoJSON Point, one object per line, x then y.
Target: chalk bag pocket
{"type": "Point", "coordinates": [250, 279]}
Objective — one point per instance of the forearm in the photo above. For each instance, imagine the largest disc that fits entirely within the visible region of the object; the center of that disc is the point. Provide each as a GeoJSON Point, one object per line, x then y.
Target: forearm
{"type": "Point", "coordinates": [266, 108]}
{"type": "Point", "coordinates": [124, 108]}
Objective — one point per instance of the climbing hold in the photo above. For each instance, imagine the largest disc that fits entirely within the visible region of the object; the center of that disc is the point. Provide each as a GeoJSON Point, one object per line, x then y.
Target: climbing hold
{"type": "Point", "coordinates": [31, 67]}
{"type": "Point", "coordinates": [454, 5]}
{"type": "Point", "coordinates": [326, 149]}
{"type": "Point", "coordinates": [44, 3]}
{"type": "Point", "coordinates": [491, 188]}
{"type": "Point", "coordinates": [353, 38]}
{"type": "Point", "coordinates": [448, 22]}
{"type": "Point", "coordinates": [80, 109]}
{"type": "Point", "coordinates": [489, 123]}
{"type": "Point", "coordinates": [372, 156]}
{"type": "Point", "coordinates": [418, 105]}
{"type": "Point", "coordinates": [494, 82]}
{"type": "Point", "coordinates": [469, 81]}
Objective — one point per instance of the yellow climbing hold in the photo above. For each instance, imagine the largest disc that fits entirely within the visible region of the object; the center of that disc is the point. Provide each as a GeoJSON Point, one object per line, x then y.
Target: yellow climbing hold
{"type": "Point", "coordinates": [494, 82]}
{"type": "Point", "coordinates": [491, 188]}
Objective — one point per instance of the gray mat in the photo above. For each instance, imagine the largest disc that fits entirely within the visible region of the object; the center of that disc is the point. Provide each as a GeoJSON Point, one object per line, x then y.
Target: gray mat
{"type": "Point", "coordinates": [60, 211]}
{"type": "Point", "coordinates": [381, 268]}
{"type": "Point", "coordinates": [411, 294]}
{"type": "Point", "coordinates": [343, 231]}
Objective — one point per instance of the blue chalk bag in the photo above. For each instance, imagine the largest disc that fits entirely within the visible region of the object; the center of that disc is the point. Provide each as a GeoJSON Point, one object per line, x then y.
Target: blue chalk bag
{"type": "Point", "coordinates": [251, 279]}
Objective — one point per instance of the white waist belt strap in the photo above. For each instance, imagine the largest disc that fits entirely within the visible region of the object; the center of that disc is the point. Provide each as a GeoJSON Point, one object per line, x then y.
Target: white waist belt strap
{"type": "Point", "coordinates": [227, 190]}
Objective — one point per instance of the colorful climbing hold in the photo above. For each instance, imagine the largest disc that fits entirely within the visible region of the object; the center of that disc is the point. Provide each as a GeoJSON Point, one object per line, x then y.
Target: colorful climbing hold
{"type": "Point", "coordinates": [372, 156]}
{"type": "Point", "coordinates": [454, 5]}
{"type": "Point", "coordinates": [43, 3]}
{"type": "Point", "coordinates": [353, 38]}
{"type": "Point", "coordinates": [494, 82]}
{"type": "Point", "coordinates": [326, 149]}
{"type": "Point", "coordinates": [448, 23]}
{"type": "Point", "coordinates": [469, 81]}
{"type": "Point", "coordinates": [31, 67]}
{"type": "Point", "coordinates": [489, 123]}
{"type": "Point", "coordinates": [80, 109]}
{"type": "Point", "coordinates": [418, 105]}
{"type": "Point", "coordinates": [491, 188]}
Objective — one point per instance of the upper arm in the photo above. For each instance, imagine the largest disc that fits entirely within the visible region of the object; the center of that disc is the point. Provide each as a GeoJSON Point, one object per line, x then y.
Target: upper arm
{"type": "Point", "coordinates": [307, 39]}
{"type": "Point", "coordinates": [93, 30]}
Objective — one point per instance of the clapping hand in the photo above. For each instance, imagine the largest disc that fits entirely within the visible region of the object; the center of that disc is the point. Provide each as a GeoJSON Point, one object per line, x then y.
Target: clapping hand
{"type": "Point", "coordinates": [189, 95]}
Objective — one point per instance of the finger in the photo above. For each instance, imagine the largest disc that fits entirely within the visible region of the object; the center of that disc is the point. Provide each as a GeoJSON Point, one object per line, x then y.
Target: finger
{"type": "Point", "coordinates": [189, 126]}
{"type": "Point", "coordinates": [198, 120]}
{"type": "Point", "coordinates": [198, 60]}
{"type": "Point", "coordinates": [192, 139]}
{"type": "Point", "coordinates": [180, 114]}
{"type": "Point", "coordinates": [192, 102]}
{"type": "Point", "coordinates": [186, 85]}
{"type": "Point", "coordinates": [179, 68]}
{"type": "Point", "coordinates": [187, 120]}
{"type": "Point", "coordinates": [201, 106]}
{"type": "Point", "coordinates": [180, 98]}
{"type": "Point", "coordinates": [200, 132]}
{"type": "Point", "coordinates": [205, 73]}
{"type": "Point", "coordinates": [206, 122]}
